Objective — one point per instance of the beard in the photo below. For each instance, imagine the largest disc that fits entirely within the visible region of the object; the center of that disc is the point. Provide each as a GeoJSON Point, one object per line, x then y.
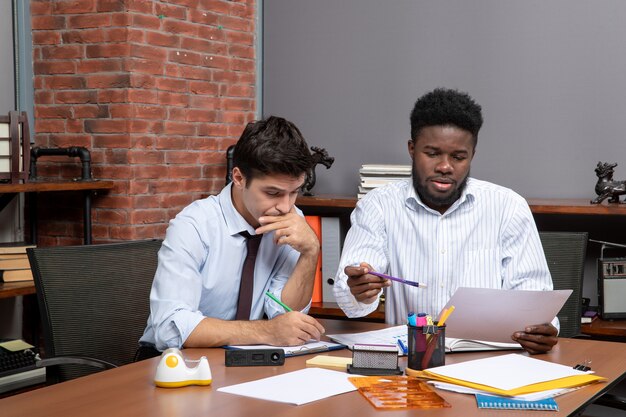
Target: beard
{"type": "Point", "coordinates": [436, 200]}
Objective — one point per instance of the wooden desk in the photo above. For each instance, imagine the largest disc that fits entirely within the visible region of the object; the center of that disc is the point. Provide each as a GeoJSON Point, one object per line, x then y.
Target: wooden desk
{"type": "Point", "coordinates": [613, 330]}
{"type": "Point", "coordinates": [9, 191]}
{"type": "Point", "coordinates": [129, 390]}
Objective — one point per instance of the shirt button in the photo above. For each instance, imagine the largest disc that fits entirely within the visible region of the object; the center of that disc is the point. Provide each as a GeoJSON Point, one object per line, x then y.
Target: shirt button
{"type": "Point", "coordinates": [443, 251]}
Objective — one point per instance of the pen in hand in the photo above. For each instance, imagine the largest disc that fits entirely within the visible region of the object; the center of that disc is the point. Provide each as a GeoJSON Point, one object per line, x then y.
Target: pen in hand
{"type": "Point", "coordinates": [403, 281]}
{"type": "Point", "coordinates": [283, 305]}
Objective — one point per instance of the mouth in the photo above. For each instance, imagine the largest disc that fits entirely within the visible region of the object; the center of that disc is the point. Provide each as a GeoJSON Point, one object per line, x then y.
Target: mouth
{"type": "Point", "coordinates": [442, 184]}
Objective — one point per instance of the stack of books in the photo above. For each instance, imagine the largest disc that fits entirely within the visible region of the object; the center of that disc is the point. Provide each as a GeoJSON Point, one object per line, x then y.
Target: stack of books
{"type": "Point", "coordinates": [14, 265]}
{"type": "Point", "coordinates": [377, 175]}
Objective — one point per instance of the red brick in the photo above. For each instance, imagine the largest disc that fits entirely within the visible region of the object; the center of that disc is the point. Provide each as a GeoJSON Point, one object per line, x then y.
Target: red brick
{"type": "Point", "coordinates": [113, 96]}
{"type": "Point", "coordinates": [237, 104]}
{"type": "Point", "coordinates": [185, 57]}
{"type": "Point", "coordinates": [145, 126]}
{"type": "Point", "coordinates": [73, 6]}
{"type": "Point", "coordinates": [46, 38]}
{"type": "Point", "coordinates": [234, 117]}
{"type": "Point", "coordinates": [38, 7]}
{"type": "Point", "coordinates": [216, 62]}
{"type": "Point", "coordinates": [147, 201]}
{"type": "Point", "coordinates": [177, 113]}
{"type": "Point", "coordinates": [175, 128]}
{"type": "Point", "coordinates": [235, 23]}
{"type": "Point", "coordinates": [139, 187]}
{"type": "Point", "coordinates": [178, 27]}
{"type": "Point", "coordinates": [207, 143]}
{"type": "Point", "coordinates": [112, 141]}
{"type": "Point", "coordinates": [170, 11]}
{"type": "Point", "coordinates": [51, 126]}
{"type": "Point", "coordinates": [244, 38]}
{"type": "Point", "coordinates": [120, 19]}
{"type": "Point", "coordinates": [213, 129]}
{"type": "Point", "coordinates": [64, 141]}
{"type": "Point", "coordinates": [216, 6]}
{"type": "Point", "coordinates": [144, 21]}
{"type": "Point", "coordinates": [171, 84]}
{"type": "Point", "coordinates": [143, 171]}
{"type": "Point", "coordinates": [44, 97]}
{"type": "Point", "coordinates": [91, 66]}
{"type": "Point", "coordinates": [181, 157]}
{"type": "Point", "coordinates": [53, 112]}
{"type": "Point", "coordinates": [116, 157]}
{"type": "Point", "coordinates": [172, 142]}
{"type": "Point", "coordinates": [201, 45]}
{"type": "Point", "coordinates": [142, 81]}
{"type": "Point", "coordinates": [74, 126]}
{"type": "Point", "coordinates": [205, 102]}
{"type": "Point", "coordinates": [148, 52]}
{"type": "Point", "coordinates": [162, 39]}
{"type": "Point", "coordinates": [112, 172]}
{"type": "Point", "coordinates": [243, 51]}
{"type": "Point", "coordinates": [106, 126]}
{"type": "Point", "coordinates": [136, 65]}
{"type": "Point", "coordinates": [195, 73]}
{"type": "Point", "coordinates": [111, 6]}
{"type": "Point", "coordinates": [83, 96]}
{"type": "Point", "coordinates": [211, 158]}
{"type": "Point", "coordinates": [246, 11]}
{"type": "Point", "coordinates": [55, 67]}
{"type": "Point", "coordinates": [84, 36]}
{"type": "Point", "coordinates": [247, 65]}
{"type": "Point", "coordinates": [47, 22]}
{"type": "Point", "coordinates": [182, 171]}
{"type": "Point", "coordinates": [142, 96]}
{"type": "Point", "coordinates": [173, 99]}
{"type": "Point", "coordinates": [149, 112]}
{"type": "Point", "coordinates": [89, 21]}
{"type": "Point", "coordinates": [203, 17]}
{"type": "Point", "coordinates": [195, 115]}
{"type": "Point", "coordinates": [91, 112]}
{"type": "Point", "coordinates": [103, 81]}
{"type": "Point", "coordinates": [142, 142]}
{"type": "Point", "coordinates": [142, 156]}
{"type": "Point", "coordinates": [111, 216]}
{"type": "Point", "coordinates": [107, 50]}
{"type": "Point", "coordinates": [211, 33]}
{"type": "Point", "coordinates": [177, 200]}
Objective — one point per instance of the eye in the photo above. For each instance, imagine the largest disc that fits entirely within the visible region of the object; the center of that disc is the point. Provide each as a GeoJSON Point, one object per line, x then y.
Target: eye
{"type": "Point", "coordinates": [431, 154]}
{"type": "Point", "coordinates": [272, 193]}
{"type": "Point", "coordinates": [460, 157]}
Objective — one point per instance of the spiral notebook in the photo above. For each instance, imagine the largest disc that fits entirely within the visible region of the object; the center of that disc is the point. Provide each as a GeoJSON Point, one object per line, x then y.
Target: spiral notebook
{"type": "Point", "coordinates": [504, 403]}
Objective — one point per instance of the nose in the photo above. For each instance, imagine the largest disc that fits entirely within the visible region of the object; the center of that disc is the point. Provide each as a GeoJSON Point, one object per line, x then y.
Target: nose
{"type": "Point", "coordinates": [283, 205]}
{"type": "Point", "coordinates": [443, 165]}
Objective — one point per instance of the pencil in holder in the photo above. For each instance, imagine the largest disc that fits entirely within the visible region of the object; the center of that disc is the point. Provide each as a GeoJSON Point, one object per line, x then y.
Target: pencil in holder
{"type": "Point", "coordinates": [427, 346]}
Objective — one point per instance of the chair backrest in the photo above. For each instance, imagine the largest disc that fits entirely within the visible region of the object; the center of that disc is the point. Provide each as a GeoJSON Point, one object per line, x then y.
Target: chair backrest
{"type": "Point", "coordinates": [565, 253]}
{"type": "Point", "coordinates": [93, 300]}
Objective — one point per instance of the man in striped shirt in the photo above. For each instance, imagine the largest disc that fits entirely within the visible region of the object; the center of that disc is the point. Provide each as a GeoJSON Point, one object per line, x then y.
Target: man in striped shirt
{"type": "Point", "coordinates": [442, 227]}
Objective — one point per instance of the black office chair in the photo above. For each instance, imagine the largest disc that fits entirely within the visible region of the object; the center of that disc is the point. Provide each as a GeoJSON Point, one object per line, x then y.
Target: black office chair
{"type": "Point", "coordinates": [565, 253]}
{"type": "Point", "coordinates": [94, 304]}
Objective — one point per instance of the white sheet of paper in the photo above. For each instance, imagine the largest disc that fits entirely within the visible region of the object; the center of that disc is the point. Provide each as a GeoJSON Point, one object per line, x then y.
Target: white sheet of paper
{"type": "Point", "coordinates": [506, 372]}
{"type": "Point", "coordinates": [385, 336]}
{"type": "Point", "coordinates": [494, 315]}
{"type": "Point", "coordinates": [298, 387]}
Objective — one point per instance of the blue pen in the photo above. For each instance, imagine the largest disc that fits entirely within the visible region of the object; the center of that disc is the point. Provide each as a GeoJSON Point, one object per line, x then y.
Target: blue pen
{"type": "Point", "coordinates": [405, 350]}
{"type": "Point", "coordinates": [403, 281]}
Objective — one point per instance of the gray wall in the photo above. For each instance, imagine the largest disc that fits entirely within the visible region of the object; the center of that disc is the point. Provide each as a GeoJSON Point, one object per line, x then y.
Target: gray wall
{"type": "Point", "coordinates": [7, 63]}
{"type": "Point", "coordinates": [550, 77]}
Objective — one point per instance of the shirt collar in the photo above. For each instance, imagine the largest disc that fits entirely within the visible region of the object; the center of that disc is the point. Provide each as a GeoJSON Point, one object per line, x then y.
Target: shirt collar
{"type": "Point", "coordinates": [235, 223]}
{"type": "Point", "coordinates": [468, 196]}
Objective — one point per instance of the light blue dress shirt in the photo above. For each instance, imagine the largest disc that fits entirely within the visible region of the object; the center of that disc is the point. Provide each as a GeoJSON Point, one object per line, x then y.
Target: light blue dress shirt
{"type": "Point", "coordinates": [487, 239]}
{"type": "Point", "coordinates": [199, 271]}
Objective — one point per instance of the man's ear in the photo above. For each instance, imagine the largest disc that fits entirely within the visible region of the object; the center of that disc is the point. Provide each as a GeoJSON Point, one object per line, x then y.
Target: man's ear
{"type": "Point", "coordinates": [411, 147]}
{"type": "Point", "coordinates": [238, 178]}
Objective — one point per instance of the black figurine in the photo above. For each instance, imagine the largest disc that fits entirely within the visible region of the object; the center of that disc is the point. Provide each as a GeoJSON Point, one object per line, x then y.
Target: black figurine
{"type": "Point", "coordinates": [320, 156]}
{"type": "Point", "coordinates": [606, 186]}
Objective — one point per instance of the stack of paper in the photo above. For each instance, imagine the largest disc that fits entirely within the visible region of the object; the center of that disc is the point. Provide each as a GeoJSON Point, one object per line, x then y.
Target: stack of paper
{"type": "Point", "coordinates": [510, 375]}
{"type": "Point", "coordinates": [377, 175]}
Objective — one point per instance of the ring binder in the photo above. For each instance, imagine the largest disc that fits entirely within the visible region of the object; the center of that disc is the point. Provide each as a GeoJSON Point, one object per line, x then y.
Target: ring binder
{"type": "Point", "coordinates": [504, 403]}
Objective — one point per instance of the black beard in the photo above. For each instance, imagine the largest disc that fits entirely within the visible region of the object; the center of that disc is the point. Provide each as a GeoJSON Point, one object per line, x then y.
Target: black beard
{"type": "Point", "coordinates": [434, 201]}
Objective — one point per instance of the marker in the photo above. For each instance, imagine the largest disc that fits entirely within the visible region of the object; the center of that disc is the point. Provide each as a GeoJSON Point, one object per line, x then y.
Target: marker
{"type": "Point", "coordinates": [444, 316]}
{"type": "Point", "coordinates": [411, 319]}
{"type": "Point", "coordinates": [270, 295]}
{"type": "Point", "coordinates": [405, 350]}
{"type": "Point", "coordinates": [403, 281]}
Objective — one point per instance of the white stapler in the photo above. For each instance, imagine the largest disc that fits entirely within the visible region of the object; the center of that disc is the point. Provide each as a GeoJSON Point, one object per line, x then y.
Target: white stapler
{"type": "Point", "coordinates": [173, 372]}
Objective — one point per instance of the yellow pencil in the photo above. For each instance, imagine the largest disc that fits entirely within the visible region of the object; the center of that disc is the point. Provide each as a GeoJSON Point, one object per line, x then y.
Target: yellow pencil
{"type": "Point", "coordinates": [444, 315]}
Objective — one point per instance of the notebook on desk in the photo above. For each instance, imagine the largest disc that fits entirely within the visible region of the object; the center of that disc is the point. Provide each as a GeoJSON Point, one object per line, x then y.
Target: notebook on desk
{"type": "Point", "coordinates": [307, 348]}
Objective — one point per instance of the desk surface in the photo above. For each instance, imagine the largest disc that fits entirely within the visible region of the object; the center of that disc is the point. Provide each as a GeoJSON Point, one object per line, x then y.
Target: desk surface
{"type": "Point", "coordinates": [129, 390]}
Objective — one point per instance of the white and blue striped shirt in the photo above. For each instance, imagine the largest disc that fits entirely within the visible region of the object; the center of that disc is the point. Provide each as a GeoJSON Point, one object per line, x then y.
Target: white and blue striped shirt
{"type": "Point", "coordinates": [486, 239]}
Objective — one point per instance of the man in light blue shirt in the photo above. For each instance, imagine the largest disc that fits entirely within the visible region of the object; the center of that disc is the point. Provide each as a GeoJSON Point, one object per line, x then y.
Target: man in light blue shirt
{"type": "Point", "coordinates": [442, 228]}
{"type": "Point", "coordinates": [194, 297]}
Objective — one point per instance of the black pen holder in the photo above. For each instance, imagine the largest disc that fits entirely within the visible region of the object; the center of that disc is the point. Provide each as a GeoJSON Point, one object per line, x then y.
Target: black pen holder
{"type": "Point", "coordinates": [427, 346]}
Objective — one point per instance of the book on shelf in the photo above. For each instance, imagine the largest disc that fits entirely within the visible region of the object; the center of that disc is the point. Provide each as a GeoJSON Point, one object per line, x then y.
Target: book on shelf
{"type": "Point", "coordinates": [14, 247]}
{"type": "Point", "coordinates": [316, 224]}
{"type": "Point", "coordinates": [588, 316]}
{"type": "Point", "coordinates": [4, 256]}
{"type": "Point", "coordinates": [14, 263]}
{"type": "Point", "coordinates": [15, 275]}
{"type": "Point", "coordinates": [331, 253]}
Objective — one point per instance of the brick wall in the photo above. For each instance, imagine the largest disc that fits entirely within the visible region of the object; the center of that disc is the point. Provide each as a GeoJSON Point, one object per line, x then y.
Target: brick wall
{"type": "Point", "coordinates": [156, 90]}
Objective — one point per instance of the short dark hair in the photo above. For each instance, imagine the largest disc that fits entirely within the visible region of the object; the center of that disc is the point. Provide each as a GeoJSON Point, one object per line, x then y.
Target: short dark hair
{"type": "Point", "coordinates": [442, 107]}
{"type": "Point", "coordinates": [272, 146]}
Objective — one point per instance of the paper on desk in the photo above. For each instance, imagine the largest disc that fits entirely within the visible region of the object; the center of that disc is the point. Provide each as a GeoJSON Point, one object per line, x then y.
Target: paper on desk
{"type": "Point", "coordinates": [298, 387]}
{"type": "Point", "coordinates": [494, 315]}
{"type": "Point", "coordinates": [525, 397]}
